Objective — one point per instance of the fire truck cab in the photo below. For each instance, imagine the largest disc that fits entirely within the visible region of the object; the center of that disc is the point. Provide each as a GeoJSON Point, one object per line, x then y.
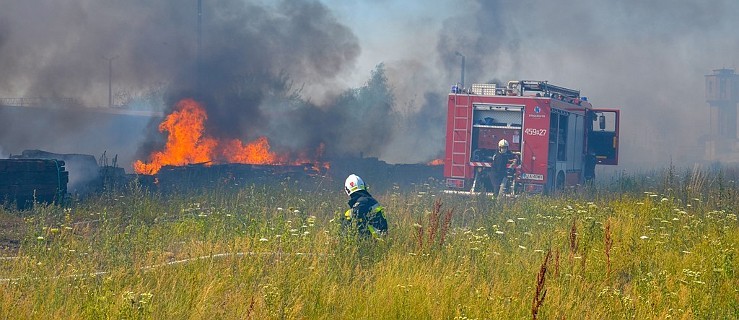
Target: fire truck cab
{"type": "Point", "coordinates": [557, 135]}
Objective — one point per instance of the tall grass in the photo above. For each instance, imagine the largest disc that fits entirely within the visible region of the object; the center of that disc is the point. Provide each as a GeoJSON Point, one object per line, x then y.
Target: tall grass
{"type": "Point", "coordinates": [656, 248]}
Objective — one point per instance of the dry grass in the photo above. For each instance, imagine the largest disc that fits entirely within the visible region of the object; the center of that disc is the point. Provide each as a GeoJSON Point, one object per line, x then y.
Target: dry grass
{"type": "Point", "coordinates": [260, 252]}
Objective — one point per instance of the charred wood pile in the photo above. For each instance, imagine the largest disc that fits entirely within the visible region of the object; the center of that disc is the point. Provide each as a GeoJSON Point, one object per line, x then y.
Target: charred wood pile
{"type": "Point", "coordinates": [198, 176]}
{"type": "Point", "coordinates": [384, 175]}
{"type": "Point", "coordinates": [25, 181]}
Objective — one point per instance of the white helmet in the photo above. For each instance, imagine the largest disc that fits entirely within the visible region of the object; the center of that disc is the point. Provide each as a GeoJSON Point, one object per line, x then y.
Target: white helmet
{"type": "Point", "coordinates": [503, 143]}
{"type": "Point", "coordinates": [353, 183]}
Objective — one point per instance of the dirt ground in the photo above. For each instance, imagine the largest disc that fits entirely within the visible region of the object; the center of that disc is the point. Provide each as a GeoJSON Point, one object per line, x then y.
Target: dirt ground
{"type": "Point", "coordinates": [12, 230]}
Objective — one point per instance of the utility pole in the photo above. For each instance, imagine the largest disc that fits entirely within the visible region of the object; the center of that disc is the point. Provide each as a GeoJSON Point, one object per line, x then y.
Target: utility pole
{"type": "Point", "coordinates": [110, 80]}
{"type": "Point", "coordinates": [461, 85]}
{"type": "Point", "coordinates": [199, 62]}
{"type": "Point", "coordinates": [200, 26]}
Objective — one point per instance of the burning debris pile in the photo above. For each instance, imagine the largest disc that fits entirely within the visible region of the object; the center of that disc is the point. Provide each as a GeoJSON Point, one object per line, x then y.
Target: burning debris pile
{"type": "Point", "coordinates": [191, 158]}
{"type": "Point", "coordinates": [188, 144]}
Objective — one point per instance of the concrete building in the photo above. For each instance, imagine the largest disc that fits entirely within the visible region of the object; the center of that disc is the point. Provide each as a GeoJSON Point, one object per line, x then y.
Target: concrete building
{"type": "Point", "coordinates": [722, 96]}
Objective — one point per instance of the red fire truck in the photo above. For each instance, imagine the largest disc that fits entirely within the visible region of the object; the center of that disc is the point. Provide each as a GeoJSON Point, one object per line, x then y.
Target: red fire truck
{"type": "Point", "coordinates": [556, 134]}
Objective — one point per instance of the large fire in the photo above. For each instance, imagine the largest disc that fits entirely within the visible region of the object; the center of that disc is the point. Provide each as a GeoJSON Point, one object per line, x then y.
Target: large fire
{"type": "Point", "coordinates": [188, 144]}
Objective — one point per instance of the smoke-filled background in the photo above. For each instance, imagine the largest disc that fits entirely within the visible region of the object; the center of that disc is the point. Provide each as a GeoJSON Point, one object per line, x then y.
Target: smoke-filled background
{"type": "Point", "coordinates": [356, 76]}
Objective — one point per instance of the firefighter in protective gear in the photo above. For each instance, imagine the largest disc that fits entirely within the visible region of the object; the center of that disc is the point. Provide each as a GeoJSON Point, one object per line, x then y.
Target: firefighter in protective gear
{"type": "Point", "coordinates": [364, 211]}
{"type": "Point", "coordinates": [500, 165]}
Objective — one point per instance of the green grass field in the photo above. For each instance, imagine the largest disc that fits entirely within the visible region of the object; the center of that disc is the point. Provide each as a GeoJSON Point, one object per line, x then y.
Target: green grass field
{"type": "Point", "coordinates": [659, 245]}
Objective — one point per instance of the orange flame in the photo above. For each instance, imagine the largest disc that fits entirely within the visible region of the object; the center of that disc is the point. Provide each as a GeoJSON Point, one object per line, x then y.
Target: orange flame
{"type": "Point", "coordinates": [187, 144]}
{"type": "Point", "coordinates": [436, 162]}
{"type": "Point", "coordinates": [256, 152]}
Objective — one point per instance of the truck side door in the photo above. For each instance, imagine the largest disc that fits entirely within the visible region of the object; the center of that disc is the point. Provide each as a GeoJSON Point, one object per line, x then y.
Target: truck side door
{"type": "Point", "coordinates": [602, 136]}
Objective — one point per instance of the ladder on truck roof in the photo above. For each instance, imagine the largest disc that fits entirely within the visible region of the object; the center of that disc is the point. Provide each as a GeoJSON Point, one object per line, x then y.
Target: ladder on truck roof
{"type": "Point", "coordinates": [460, 139]}
{"type": "Point", "coordinates": [542, 86]}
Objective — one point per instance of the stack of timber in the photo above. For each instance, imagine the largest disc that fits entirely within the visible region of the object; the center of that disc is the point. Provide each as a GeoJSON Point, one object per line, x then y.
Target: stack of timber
{"type": "Point", "coordinates": [27, 181]}
{"type": "Point", "coordinates": [84, 175]}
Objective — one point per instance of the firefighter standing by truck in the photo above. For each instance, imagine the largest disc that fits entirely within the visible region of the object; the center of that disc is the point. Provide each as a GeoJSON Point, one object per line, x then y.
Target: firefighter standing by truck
{"type": "Point", "coordinates": [500, 166]}
{"type": "Point", "coordinates": [364, 211]}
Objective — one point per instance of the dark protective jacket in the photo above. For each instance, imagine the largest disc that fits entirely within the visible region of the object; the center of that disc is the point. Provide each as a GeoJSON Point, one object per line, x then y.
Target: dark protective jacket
{"type": "Point", "coordinates": [500, 161]}
{"type": "Point", "coordinates": [366, 213]}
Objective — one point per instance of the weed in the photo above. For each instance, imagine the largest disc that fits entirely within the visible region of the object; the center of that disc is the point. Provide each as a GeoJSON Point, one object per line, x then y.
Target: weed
{"type": "Point", "coordinates": [437, 228]}
{"type": "Point", "coordinates": [573, 239]}
{"type": "Point", "coordinates": [607, 245]}
{"type": "Point", "coordinates": [540, 292]}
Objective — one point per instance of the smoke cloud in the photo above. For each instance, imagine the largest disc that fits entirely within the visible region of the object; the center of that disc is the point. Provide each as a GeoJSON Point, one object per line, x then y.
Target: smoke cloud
{"type": "Point", "coordinates": [365, 76]}
{"type": "Point", "coordinates": [647, 58]}
{"type": "Point", "coordinates": [243, 53]}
